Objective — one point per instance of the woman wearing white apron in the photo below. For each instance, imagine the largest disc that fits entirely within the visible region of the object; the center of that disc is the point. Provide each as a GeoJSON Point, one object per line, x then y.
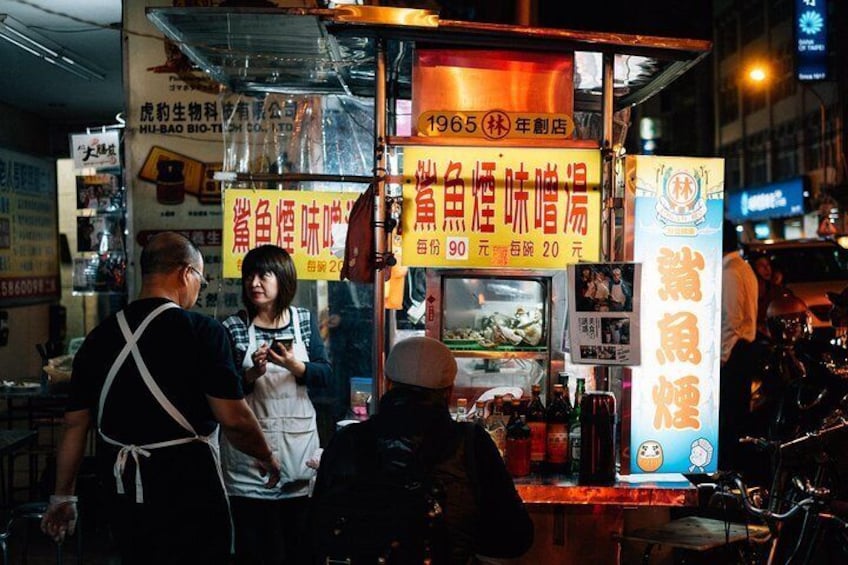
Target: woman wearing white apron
{"type": "Point", "coordinates": [279, 351]}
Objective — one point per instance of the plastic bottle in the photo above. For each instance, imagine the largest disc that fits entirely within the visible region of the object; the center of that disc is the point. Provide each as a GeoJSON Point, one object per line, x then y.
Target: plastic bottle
{"type": "Point", "coordinates": [574, 431]}
{"type": "Point", "coordinates": [496, 426]}
{"type": "Point", "coordinates": [461, 410]}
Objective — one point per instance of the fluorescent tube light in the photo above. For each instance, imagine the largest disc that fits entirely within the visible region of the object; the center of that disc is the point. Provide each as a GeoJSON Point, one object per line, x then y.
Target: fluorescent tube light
{"type": "Point", "coordinates": [36, 44]}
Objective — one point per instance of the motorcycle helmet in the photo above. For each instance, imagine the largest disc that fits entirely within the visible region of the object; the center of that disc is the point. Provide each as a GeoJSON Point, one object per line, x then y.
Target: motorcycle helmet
{"type": "Point", "coordinates": [788, 319]}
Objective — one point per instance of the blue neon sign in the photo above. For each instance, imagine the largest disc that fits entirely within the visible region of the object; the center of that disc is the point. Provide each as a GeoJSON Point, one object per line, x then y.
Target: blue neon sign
{"type": "Point", "coordinates": [811, 39]}
{"type": "Point", "coordinates": [777, 200]}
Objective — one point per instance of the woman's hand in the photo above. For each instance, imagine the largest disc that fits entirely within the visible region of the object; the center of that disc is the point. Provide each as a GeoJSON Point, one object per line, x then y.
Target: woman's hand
{"type": "Point", "coordinates": [284, 357]}
{"type": "Point", "coordinates": [260, 360]}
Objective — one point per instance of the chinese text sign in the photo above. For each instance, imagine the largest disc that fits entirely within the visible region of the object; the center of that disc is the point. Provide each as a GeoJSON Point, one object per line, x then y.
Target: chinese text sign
{"type": "Point", "coordinates": [678, 220]}
{"type": "Point", "coordinates": [29, 240]}
{"type": "Point", "coordinates": [98, 150]}
{"type": "Point", "coordinates": [500, 207]}
{"type": "Point", "coordinates": [301, 222]}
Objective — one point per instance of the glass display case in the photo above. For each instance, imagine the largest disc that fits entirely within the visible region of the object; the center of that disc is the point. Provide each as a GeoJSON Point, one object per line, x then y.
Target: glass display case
{"type": "Point", "coordinates": [504, 327]}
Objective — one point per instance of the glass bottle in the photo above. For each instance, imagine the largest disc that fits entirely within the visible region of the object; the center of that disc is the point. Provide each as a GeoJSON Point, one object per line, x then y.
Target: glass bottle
{"type": "Point", "coordinates": [537, 421]}
{"type": "Point", "coordinates": [566, 394]}
{"type": "Point", "coordinates": [562, 378]}
{"type": "Point", "coordinates": [517, 442]}
{"type": "Point", "coordinates": [556, 444]}
{"type": "Point", "coordinates": [574, 430]}
{"type": "Point", "coordinates": [496, 426]}
{"type": "Point", "coordinates": [461, 410]}
{"type": "Point", "coordinates": [480, 412]}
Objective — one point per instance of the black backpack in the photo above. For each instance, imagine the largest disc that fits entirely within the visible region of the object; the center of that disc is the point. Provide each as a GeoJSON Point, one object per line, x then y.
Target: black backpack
{"type": "Point", "coordinates": [391, 512]}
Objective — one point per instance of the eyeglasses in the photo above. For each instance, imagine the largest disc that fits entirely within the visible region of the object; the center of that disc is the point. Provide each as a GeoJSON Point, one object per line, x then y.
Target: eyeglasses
{"type": "Point", "coordinates": [203, 282]}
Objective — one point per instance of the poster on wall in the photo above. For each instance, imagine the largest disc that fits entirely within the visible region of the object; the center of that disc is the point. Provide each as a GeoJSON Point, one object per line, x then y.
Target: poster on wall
{"type": "Point", "coordinates": [100, 273]}
{"type": "Point", "coordinates": [29, 238]}
{"type": "Point", "coordinates": [174, 145]}
{"type": "Point", "coordinates": [101, 192]}
{"type": "Point", "coordinates": [678, 205]}
{"type": "Point", "coordinates": [603, 317]}
{"type": "Point", "coordinates": [101, 233]}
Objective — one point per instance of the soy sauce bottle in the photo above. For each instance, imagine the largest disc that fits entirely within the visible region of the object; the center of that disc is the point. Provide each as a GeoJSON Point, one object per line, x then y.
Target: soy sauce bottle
{"type": "Point", "coordinates": [537, 421]}
{"type": "Point", "coordinates": [517, 442]}
{"type": "Point", "coordinates": [556, 445]}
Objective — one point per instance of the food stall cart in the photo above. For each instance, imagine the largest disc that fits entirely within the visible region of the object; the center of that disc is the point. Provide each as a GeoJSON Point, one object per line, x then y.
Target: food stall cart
{"type": "Point", "coordinates": [560, 89]}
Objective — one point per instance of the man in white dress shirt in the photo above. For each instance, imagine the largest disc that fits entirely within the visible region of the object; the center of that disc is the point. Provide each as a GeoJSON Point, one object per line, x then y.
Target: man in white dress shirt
{"type": "Point", "coordinates": [738, 330]}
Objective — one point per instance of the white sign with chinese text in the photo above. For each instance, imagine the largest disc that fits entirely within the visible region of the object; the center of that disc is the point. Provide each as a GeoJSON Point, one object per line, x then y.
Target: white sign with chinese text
{"type": "Point", "coordinates": [678, 208]}
{"type": "Point", "coordinates": [99, 150]}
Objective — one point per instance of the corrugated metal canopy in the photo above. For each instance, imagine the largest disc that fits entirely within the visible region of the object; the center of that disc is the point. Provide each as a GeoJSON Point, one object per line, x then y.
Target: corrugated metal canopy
{"type": "Point", "coordinates": [332, 51]}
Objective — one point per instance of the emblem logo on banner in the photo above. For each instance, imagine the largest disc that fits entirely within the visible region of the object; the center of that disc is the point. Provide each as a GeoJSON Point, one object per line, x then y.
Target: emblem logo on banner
{"type": "Point", "coordinates": [681, 202]}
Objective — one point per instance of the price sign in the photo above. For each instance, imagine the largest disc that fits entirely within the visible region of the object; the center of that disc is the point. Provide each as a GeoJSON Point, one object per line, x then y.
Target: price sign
{"type": "Point", "coordinates": [456, 248]}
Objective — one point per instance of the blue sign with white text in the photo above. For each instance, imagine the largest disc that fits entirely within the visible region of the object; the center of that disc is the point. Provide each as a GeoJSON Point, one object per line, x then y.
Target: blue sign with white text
{"type": "Point", "coordinates": [811, 39]}
{"type": "Point", "coordinates": [776, 200]}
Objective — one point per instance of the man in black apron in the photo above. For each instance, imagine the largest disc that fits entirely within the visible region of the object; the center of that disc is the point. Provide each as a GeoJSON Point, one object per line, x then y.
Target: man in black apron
{"type": "Point", "coordinates": [157, 379]}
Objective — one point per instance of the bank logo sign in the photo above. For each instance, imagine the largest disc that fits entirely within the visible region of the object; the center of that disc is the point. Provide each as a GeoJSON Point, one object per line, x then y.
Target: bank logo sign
{"type": "Point", "coordinates": [810, 26]}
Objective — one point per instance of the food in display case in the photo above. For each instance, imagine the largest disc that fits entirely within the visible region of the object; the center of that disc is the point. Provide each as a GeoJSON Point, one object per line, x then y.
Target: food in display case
{"type": "Point", "coordinates": [494, 314]}
{"type": "Point", "coordinates": [502, 326]}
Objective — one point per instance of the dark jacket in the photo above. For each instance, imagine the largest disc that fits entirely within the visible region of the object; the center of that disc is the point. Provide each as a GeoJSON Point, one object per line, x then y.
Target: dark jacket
{"type": "Point", "coordinates": [482, 509]}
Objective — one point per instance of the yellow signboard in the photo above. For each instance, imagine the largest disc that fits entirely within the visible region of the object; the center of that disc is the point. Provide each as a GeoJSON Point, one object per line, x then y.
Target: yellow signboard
{"type": "Point", "coordinates": [301, 222]}
{"type": "Point", "coordinates": [495, 125]}
{"type": "Point", "coordinates": [500, 207]}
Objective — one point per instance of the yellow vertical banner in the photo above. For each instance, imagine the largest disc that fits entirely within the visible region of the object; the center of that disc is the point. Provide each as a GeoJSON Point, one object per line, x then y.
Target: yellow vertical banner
{"type": "Point", "coordinates": [500, 207]}
{"type": "Point", "coordinates": [309, 225]}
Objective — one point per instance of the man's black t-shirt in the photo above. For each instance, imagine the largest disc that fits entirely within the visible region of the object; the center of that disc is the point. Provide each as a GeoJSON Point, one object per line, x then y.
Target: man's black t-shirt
{"type": "Point", "coordinates": [189, 357]}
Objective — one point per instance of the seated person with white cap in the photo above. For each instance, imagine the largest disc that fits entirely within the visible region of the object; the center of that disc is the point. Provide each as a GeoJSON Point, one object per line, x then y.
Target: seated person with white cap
{"type": "Point", "coordinates": [482, 511]}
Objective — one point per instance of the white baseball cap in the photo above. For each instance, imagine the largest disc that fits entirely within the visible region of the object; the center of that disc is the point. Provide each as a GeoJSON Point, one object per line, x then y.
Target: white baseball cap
{"type": "Point", "coordinates": [421, 361]}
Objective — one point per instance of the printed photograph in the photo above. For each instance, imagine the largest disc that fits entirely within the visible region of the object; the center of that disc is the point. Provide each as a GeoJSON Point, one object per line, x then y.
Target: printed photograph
{"type": "Point", "coordinates": [101, 192]}
{"type": "Point", "coordinates": [615, 331]}
{"type": "Point", "coordinates": [604, 287]}
{"type": "Point", "coordinates": [100, 234]}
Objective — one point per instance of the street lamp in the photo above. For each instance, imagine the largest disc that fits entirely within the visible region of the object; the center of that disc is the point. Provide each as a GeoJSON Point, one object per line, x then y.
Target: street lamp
{"type": "Point", "coordinates": [758, 73]}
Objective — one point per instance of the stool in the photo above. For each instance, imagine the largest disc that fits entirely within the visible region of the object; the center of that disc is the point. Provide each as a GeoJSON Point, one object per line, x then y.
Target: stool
{"type": "Point", "coordinates": [695, 533]}
{"type": "Point", "coordinates": [33, 511]}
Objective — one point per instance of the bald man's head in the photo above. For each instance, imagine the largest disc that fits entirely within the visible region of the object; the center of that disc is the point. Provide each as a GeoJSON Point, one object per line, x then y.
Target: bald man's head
{"type": "Point", "coordinates": [167, 251]}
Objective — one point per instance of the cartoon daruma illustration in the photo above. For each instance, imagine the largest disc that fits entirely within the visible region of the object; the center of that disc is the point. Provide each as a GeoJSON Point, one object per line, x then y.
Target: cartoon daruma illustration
{"type": "Point", "coordinates": [649, 456]}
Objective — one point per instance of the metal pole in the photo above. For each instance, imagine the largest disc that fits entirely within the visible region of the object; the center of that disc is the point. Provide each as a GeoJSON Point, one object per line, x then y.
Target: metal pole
{"type": "Point", "coordinates": [608, 239]}
{"type": "Point", "coordinates": [379, 214]}
{"type": "Point", "coordinates": [602, 373]}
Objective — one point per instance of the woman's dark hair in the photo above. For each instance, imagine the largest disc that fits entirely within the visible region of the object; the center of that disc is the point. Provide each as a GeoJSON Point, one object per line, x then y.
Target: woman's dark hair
{"type": "Point", "coordinates": [269, 259]}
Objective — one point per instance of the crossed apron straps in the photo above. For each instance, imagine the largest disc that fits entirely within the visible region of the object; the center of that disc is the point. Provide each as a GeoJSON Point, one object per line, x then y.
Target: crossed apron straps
{"type": "Point", "coordinates": [131, 347]}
